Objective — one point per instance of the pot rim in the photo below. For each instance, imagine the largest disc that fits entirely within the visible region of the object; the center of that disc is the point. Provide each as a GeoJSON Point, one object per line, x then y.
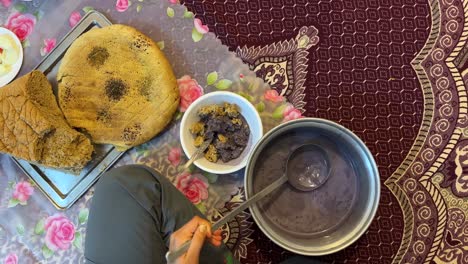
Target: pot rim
{"type": "Point", "coordinates": [371, 207]}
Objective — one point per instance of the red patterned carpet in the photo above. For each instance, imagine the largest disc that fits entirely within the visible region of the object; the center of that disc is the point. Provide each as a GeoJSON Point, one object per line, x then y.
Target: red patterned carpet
{"type": "Point", "coordinates": [392, 72]}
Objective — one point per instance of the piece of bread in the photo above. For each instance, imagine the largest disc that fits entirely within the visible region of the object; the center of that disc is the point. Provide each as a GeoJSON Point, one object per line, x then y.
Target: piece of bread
{"type": "Point", "coordinates": [34, 129]}
{"type": "Point", "coordinates": [115, 84]}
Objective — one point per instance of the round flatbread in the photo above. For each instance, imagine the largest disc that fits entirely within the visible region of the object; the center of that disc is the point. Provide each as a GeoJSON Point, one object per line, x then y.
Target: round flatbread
{"type": "Point", "coordinates": [116, 85]}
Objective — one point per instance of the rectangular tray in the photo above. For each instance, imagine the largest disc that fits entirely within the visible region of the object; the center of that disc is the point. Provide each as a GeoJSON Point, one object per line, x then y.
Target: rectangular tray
{"type": "Point", "coordinates": [63, 188]}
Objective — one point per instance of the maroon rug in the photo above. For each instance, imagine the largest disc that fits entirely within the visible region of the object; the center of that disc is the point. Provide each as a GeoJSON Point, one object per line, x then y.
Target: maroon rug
{"type": "Point", "coordinates": [393, 73]}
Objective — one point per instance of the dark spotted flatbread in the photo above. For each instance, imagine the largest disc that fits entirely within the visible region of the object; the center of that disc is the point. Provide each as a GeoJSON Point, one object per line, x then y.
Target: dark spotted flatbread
{"type": "Point", "coordinates": [115, 84]}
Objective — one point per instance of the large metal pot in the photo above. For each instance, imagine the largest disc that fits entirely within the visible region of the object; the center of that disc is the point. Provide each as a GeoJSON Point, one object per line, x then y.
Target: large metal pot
{"type": "Point", "coordinates": [365, 199]}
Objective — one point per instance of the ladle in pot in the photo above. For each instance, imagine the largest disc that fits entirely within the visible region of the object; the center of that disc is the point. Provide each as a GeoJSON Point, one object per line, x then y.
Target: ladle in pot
{"type": "Point", "coordinates": [307, 168]}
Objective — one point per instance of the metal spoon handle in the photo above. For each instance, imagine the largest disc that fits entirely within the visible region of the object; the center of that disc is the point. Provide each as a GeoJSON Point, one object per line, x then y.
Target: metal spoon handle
{"type": "Point", "coordinates": [273, 186]}
{"type": "Point", "coordinates": [197, 153]}
{"type": "Point", "coordinates": [172, 256]}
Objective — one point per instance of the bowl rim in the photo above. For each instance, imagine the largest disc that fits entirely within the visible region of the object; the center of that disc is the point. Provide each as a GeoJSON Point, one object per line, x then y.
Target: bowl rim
{"type": "Point", "coordinates": [199, 101]}
{"type": "Point", "coordinates": [6, 79]}
{"type": "Point", "coordinates": [364, 223]}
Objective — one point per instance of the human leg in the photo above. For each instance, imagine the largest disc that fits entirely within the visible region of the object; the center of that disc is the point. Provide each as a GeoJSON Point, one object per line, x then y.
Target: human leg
{"type": "Point", "coordinates": [133, 213]}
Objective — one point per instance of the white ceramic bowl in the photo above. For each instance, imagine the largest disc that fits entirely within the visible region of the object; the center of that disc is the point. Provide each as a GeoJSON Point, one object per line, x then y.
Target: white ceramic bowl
{"type": "Point", "coordinates": [247, 110]}
{"type": "Point", "coordinates": [7, 78]}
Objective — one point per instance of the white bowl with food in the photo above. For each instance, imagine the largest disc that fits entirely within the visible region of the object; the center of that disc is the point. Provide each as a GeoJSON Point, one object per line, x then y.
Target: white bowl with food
{"type": "Point", "coordinates": [212, 117]}
{"type": "Point", "coordinates": [11, 56]}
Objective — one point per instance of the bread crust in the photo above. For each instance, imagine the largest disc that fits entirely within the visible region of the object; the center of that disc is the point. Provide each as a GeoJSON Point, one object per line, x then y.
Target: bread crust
{"type": "Point", "coordinates": [115, 84]}
{"type": "Point", "coordinates": [34, 128]}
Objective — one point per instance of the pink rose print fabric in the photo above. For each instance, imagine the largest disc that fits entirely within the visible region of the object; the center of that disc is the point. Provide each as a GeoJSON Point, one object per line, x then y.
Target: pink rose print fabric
{"type": "Point", "coordinates": [189, 90]}
{"type": "Point", "coordinates": [12, 258]}
{"type": "Point", "coordinates": [291, 113]}
{"type": "Point", "coordinates": [194, 187]}
{"type": "Point", "coordinates": [174, 156]}
{"type": "Point", "coordinates": [21, 193]}
{"type": "Point", "coordinates": [21, 24]}
{"type": "Point", "coordinates": [74, 18]}
{"type": "Point", "coordinates": [202, 29]}
{"type": "Point", "coordinates": [6, 3]}
{"type": "Point", "coordinates": [60, 232]}
{"type": "Point", "coordinates": [53, 237]}
{"type": "Point", "coordinates": [273, 96]}
{"type": "Point", "coordinates": [49, 45]}
{"type": "Point", "coordinates": [121, 5]}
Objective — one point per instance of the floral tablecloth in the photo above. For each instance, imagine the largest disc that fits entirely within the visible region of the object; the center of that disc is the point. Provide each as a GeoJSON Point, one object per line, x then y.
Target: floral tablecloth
{"type": "Point", "coordinates": [394, 72]}
{"type": "Point", "coordinates": [31, 229]}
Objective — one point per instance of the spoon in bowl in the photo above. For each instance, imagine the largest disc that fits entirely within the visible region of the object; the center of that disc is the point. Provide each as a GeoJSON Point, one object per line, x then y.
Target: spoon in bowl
{"type": "Point", "coordinates": [307, 168]}
{"type": "Point", "coordinates": [197, 154]}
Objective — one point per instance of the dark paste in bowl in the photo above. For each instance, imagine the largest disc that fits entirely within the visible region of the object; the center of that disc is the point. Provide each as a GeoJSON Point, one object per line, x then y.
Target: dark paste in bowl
{"type": "Point", "coordinates": [225, 128]}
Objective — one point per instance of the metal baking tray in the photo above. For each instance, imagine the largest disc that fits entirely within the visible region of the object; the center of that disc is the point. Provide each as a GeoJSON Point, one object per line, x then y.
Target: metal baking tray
{"type": "Point", "coordinates": [63, 188]}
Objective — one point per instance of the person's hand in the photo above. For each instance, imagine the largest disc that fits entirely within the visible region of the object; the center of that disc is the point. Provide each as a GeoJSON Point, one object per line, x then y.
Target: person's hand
{"type": "Point", "coordinates": [197, 230]}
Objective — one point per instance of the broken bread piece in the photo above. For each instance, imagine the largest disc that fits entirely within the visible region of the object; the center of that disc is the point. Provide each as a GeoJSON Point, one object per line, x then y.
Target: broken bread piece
{"type": "Point", "coordinates": [33, 127]}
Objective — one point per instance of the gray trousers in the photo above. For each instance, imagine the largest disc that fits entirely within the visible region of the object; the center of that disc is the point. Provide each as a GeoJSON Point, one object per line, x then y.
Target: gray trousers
{"type": "Point", "coordinates": [133, 213]}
